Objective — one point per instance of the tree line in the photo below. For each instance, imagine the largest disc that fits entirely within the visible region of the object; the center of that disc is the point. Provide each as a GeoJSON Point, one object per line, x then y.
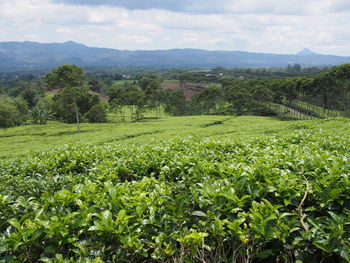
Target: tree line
{"type": "Point", "coordinates": [75, 96]}
{"type": "Point", "coordinates": [308, 95]}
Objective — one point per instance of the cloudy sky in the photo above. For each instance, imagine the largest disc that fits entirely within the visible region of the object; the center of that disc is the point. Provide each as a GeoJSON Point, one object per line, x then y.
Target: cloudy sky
{"type": "Point", "coordinates": [269, 26]}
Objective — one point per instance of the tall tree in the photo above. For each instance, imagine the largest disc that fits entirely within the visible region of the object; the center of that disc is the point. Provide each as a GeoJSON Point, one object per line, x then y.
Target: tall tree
{"type": "Point", "coordinates": [69, 78]}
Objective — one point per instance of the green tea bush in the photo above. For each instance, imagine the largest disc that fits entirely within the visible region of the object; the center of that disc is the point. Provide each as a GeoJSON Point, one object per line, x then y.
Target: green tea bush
{"type": "Point", "coordinates": [267, 199]}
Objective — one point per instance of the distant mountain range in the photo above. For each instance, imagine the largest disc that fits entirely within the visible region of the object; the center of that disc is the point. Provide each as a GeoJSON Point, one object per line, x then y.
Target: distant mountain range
{"type": "Point", "coordinates": [39, 56]}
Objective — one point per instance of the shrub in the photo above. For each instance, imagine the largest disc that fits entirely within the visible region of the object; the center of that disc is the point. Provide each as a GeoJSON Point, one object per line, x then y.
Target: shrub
{"type": "Point", "coordinates": [9, 115]}
{"type": "Point", "coordinates": [97, 113]}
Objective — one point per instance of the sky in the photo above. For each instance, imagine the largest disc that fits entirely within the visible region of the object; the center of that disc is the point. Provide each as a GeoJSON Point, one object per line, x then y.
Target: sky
{"type": "Point", "coordinates": [264, 26]}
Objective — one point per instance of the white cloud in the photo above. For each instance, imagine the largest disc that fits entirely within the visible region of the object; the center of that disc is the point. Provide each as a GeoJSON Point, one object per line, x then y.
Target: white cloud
{"type": "Point", "coordinates": [208, 6]}
{"type": "Point", "coordinates": [133, 38]}
{"type": "Point", "coordinates": [217, 41]}
{"type": "Point", "coordinates": [253, 25]}
{"type": "Point", "coordinates": [339, 6]}
{"type": "Point", "coordinates": [64, 30]}
{"type": "Point", "coordinates": [189, 38]}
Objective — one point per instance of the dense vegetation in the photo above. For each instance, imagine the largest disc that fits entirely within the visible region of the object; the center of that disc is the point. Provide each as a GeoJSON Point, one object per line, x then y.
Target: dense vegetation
{"type": "Point", "coordinates": [303, 96]}
{"type": "Point", "coordinates": [281, 196]}
{"type": "Point", "coordinates": [143, 188]}
{"type": "Point", "coordinates": [292, 92]}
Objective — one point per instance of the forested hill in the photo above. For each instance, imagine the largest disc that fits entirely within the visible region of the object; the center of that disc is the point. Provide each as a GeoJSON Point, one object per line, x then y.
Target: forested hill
{"type": "Point", "coordinates": [32, 55]}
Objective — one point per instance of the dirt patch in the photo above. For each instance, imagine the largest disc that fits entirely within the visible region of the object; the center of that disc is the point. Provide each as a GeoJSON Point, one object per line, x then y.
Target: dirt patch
{"type": "Point", "coordinates": [188, 88]}
{"type": "Point", "coordinates": [53, 91]}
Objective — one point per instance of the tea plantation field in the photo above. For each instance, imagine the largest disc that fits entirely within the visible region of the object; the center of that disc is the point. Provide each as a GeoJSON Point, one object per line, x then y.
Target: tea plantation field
{"type": "Point", "coordinates": [189, 189]}
{"type": "Point", "coordinates": [28, 139]}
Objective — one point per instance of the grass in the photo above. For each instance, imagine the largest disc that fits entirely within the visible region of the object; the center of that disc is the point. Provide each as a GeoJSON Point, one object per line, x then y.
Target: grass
{"type": "Point", "coordinates": [122, 82]}
{"type": "Point", "coordinates": [317, 110]}
{"type": "Point", "coordinates": [303, 110]}
{"type": "Point", "coordinates": [129, 112]}
{"type": "Point", "coordinates": [170, 80]}
{"type": "Point", "coordinates": [30, 139]}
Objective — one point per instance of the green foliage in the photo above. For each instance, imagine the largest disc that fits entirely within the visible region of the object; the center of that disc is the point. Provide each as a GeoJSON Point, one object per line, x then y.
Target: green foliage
{"type": "Point", "coordinates": [30, 91]}
{"type": "Point", "coordinates": [128, 95]}
{"type": "Point", "coordinates": [97, 113]}
{"type": "Point", "coordinates": [243, 95]}
{"type": "Point", "coordinates": [280, 197]}
{"type": "Point", "coordinates": [291, 92]}
{"type": "Point", "coordinates": [175, 102]}
{"type": "Point", "coordinates": [65, 76]}
{"type": "Point", "coordinates": [149, 83]}
{"type": "Point", "coordinates": [68, 78]}
{"type": "Point", "coordinates": [209, 101]}
{"type": "Point", "coordinates": [8, 115]}
{"type": "Point", "coordinates": [63, 103]}
{"type": "Point", "coordinates": [40, 115]}
{"type": "Point", "coordinates": [13, 112]}
{"type": "Point", "coordinates": [100, 83]}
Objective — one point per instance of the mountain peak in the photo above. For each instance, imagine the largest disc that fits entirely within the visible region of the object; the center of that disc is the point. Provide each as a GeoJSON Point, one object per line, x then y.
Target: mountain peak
{"type": "Point", "coordinates": [72, 43]}
{"type": "Point", "coordinates": [306, 52]}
